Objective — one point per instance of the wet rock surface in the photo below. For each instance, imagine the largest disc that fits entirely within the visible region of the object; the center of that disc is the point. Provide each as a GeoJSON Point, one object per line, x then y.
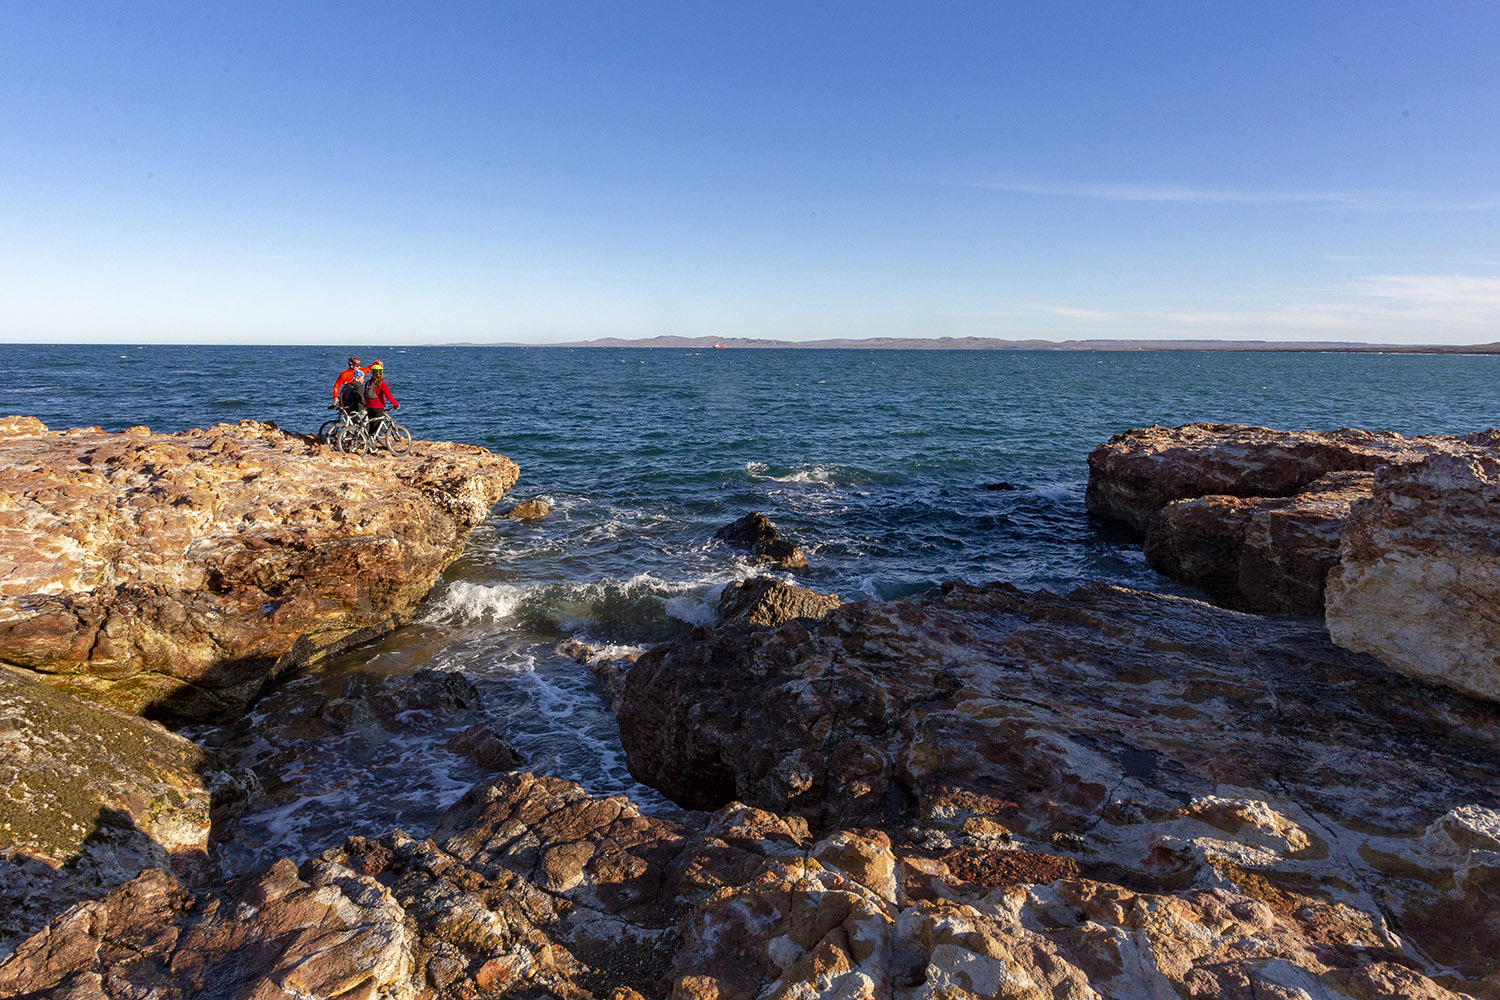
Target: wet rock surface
{"type": "Point", "coordinates": [178, 573]}
{"type": "Point", "coordinates": [763, 542]}
{"type": "Point", "coordinates": [1418, 579]}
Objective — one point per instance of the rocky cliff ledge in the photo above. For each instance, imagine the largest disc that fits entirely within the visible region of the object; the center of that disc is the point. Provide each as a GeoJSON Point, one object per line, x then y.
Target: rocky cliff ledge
{"type": "Point", "coordinates": [1249, 515]}
{"type": "Point", "coordinates": [178, 573]}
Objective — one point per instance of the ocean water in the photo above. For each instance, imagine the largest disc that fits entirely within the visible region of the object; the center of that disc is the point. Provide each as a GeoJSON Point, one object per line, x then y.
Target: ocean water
{"type": "Point", "coordinates": [874, 461]}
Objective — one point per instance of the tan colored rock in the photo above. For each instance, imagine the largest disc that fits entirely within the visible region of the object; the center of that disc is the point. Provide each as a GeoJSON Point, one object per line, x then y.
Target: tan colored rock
{"type": "Point", "coordinates": [180, 572]}
{"type": "Point", "coordinates": [533, 888]}
{"type": "Point", "coordinates": [1138, 472]}
{"type": "Point", "coordinates": [529, 510]}
{"type": "Point", "coordinates": [1418, 579]}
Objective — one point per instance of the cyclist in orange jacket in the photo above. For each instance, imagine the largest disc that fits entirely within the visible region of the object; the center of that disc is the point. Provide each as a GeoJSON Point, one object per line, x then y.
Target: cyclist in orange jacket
{"type": "Point", "coordinates": [354, 373]}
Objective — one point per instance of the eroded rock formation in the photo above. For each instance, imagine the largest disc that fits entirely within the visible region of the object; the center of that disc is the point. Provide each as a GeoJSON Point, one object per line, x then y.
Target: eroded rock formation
{"type": "Point", "coordinates": [1164, 746]}
{"type": "Point", "coordinates": [180, 572]}
{"type": "Point", "coordinates": [1249, 515]}
{"type": "Point", "coordinates": [531, 888]}
{"type": "Point", "coordinates": [1137, 473]}
{"type": "Point", "coordinates": [767, 602]}
{"type": "Point", "coordinates": [1418, 579]}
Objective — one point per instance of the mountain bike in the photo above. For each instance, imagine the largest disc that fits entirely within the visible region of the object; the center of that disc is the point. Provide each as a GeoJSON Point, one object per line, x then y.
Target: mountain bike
{"type": "Point", "coordinates": [353, 436]}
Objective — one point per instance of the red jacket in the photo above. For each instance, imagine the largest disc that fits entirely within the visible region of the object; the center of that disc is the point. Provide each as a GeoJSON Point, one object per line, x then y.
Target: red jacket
{"type": "Point", "coordinates": [379, 396]}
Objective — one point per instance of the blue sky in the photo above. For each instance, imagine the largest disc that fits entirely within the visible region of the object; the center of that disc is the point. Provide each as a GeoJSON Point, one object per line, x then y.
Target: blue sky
{"type": "Point", "coordinates": [320, 172]}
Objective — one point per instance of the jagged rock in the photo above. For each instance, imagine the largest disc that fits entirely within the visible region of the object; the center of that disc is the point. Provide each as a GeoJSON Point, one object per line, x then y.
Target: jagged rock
{"type": "Point", "coordinates": [529, 887]}
{"type": "Point", "coordinates": [89, 797]}
{"type": "Point", "coordinates": [1267, 555]}
{"type": "Point", "coordinates": [758, 536]}
{"type": "Point", "coordinates": [768, 602]}
{"type": "Point", "coordinates": [1138, 472]}
{"type": "Point", "coordinates": [180, 572]}
{"type": "Point", "coordinates": [1418, 578]}
{"type": "Point", "coordinates": [529, 510]}
{"type": "Point", "coordinates": [485, 747]}
{"type": "Point", "coordinates": [988, 719]}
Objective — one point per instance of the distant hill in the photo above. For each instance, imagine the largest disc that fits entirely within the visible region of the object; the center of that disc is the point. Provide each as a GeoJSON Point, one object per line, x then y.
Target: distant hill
{"type": "Point", "coordinates": [994, 344]}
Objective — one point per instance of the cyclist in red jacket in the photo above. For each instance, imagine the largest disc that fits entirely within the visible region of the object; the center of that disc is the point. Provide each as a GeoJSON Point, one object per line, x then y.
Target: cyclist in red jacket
{"type": "Point", "coordinates": [378, 395]}
{"type": "Point", "coordinates": [354, 373]}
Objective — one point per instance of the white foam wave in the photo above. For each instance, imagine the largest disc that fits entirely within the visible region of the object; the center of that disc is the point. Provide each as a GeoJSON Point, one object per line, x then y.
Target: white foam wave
{"type": "Point", "coordinates": [469, 603]}
{"type": "Point", "coordinates": [825, 475]}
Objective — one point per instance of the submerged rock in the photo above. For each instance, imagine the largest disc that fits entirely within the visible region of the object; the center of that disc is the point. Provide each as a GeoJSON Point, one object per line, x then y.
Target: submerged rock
{"type": "Point", "coordinates": [767, 602]}
{"type": "Point", "coordinates": [529, 510]}
{"type": "Point", "coordinates": [758, 536]}
{"type": "Point", "coordinates": [178, 573]}
{"type": "Point", "coordinates": [1418, 579]}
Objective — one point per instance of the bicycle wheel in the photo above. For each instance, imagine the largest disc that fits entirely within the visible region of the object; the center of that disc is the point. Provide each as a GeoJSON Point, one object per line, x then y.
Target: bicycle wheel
{"type": "Point", "coordinates": [325, 433]}
{"type": "Point", "coordinates": [397, 439]}
{"type": "Point", "coordinates": [352, 440]}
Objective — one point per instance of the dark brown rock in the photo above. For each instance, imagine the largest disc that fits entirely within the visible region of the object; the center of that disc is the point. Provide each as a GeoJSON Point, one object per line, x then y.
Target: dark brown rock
{"type": "Point", "coordinates": [767, 602]}
{"type": "Point", "coordinates": [758, 536]}
{"type": "Point", "coordinates": [1158, 742]}
{"type": "Point", "coordinates": [1267, 555]}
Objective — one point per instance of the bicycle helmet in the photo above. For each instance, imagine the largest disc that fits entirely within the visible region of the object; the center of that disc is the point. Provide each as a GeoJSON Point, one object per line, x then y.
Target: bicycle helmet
{"type": "Point", "coordinates": [353, 362]}
{"type": "Point", "coordinates": [377, 367]}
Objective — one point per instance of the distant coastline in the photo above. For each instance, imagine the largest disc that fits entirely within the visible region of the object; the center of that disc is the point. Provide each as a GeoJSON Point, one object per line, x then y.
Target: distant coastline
{"type": "Point", "coordinates": [994, 344]}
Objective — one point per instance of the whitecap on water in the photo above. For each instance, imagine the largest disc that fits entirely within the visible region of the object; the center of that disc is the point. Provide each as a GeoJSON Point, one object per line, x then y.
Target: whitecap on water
{"type": "Point", "coordinates": [466, 603]}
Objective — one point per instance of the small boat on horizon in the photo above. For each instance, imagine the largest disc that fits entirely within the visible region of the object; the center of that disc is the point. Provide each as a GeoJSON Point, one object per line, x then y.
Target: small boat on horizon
{"type": "Point", "coordinates": [720, 347]}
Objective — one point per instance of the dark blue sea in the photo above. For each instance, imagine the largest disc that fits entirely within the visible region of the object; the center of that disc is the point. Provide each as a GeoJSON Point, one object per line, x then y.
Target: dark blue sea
{"type": "Point", "coordinates": [874, 461]}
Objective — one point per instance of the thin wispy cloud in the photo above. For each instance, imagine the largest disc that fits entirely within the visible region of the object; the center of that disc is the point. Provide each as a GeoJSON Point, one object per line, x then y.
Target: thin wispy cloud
{"type": "Point", "coordinates": [1434, 289]}
{"type": "Point", "coordinates": [1179, 194]}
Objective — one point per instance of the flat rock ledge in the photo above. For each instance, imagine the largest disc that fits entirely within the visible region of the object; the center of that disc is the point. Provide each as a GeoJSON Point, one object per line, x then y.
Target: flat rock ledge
{"type": "Point", "coordinates": [986, 793]}
{"type": "Point", "coordinates": [179, 573]}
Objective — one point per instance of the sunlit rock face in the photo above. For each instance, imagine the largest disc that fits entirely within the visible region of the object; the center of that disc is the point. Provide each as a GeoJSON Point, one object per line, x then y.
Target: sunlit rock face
{"type": "Point", "coordinates": [180, 572]}
{"type": "Point", "coordinates": [1137, 473]}
{"type": "Point", "coordinates": [1159, 745]}
{"type": "Point", "coordinates": [1418, 580]}
{"type": "Point", "coordinates": [1249, 515]}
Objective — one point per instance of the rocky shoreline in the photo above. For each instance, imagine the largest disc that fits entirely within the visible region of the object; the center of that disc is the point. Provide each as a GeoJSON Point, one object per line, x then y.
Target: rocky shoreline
{"type": "Point", "coordinates": [980, 793]}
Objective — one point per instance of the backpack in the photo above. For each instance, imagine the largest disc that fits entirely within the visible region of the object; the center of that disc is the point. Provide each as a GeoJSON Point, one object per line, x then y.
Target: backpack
{"type": "Point", "coordinates": [352, 395]}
